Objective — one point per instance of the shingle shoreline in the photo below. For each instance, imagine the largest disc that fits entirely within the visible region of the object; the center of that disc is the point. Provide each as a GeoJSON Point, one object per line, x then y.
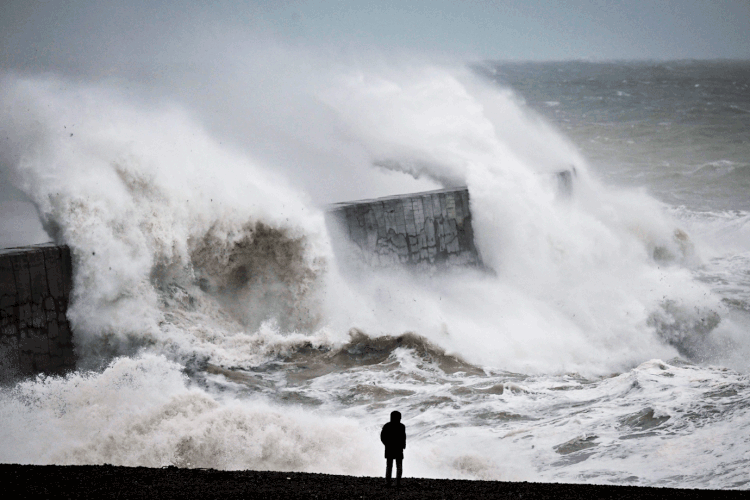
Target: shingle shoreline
{"type": "Point", "coordinates": [107, 481]}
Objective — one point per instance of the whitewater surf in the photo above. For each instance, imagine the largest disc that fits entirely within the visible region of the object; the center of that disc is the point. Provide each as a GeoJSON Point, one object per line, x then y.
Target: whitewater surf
{"type": "Point", "coordinates": [606, 341]}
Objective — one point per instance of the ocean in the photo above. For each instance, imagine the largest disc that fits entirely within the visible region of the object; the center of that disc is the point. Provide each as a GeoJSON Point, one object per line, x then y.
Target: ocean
{"type": "Point", "coordinates": [606, 340]}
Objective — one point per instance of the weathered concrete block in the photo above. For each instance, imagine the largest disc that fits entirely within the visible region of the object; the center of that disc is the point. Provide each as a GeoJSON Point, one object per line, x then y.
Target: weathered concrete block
{"type": "Point", "coordinates": [413, 249]}
{"type": "Point", "coordinates": [422, 244]}
{"type": "Point", "coordinates": [411, 228]}
{"type": "Point", "coordinates": [11, 329]}
{"type": "Point", "coordinates": [452, 237]}
{"type": "Point", "coordinates": [38, 315]}
{"type": "Point", "coordinates": [53, 265]}
{"type": "Point", "coordinates": [353, 223]}
{"type": "Point", "coordinates": [371, 231]}
{"type": "Point", "coordinates": [443, 210]}
{"type": "Point", "coordinates": [465, 204]}
{"type": "Point", "coordinates": [418, 214]}
{"type": "Point", "coordinates": [37, 276]}
{"type": "Point", "coordinates": [8, 311]}
{"type": "Point", "coordinates": [450, 206]}
{"type": "Point", "coordinates": [427, 207]}
{"type": "Point", "coordinates": [66, 271]}
{"type": "Point", "coordinates": [26, 362]}
{"type": "Point", "coordinates": [7, 280]}
{"type": "Point", "coordinates": [430, 232]}
{"type": "Point", "coordinates": [24, 314]}
{"type": "Point", "coordinates": [20, 264]}
{"type": "Point", "coordinates": [69, 356]}
{"type": "Point", "coordinates": [436, 210]}
{"type": "Point", "coordinates": [7, 301]}
{"type": "Point", "coordinates": [400, 219]}
{"type": "Point", "coordinates": [53, 330]}
{"type": "Point", "coordinates": [459, 203]}
{"type": "Point", "coordinates": [51, 315]}
{"type": "Point", "coordinates": [8, 353]}
{"type": "Point", "coordinates": [56, 362]}
{"type": "Point", "coordinates": [389, 212]}
{"type": "Point", "coordinates": [63, 333]}
{"type": "Point", "coordinates": [394, 248]}
{"type": "Point", "coordinates": [56, 352]}
{"type": "Point", "coordinates": [35, 283]}
{"type": "Point", "coordinates": [380, 221]}
{"type": "Point", "coordinates": [424, 228]}
{"type": "Point", "coordinates": [42, 362]}
{"type": "Point", "coordinates": [34, 343]}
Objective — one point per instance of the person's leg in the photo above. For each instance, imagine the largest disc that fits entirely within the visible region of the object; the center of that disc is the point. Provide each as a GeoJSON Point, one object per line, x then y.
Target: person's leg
{"type": "Point", "coordinates": [398, 471]}
{"type": "Point", "coordinates": [389, 469]}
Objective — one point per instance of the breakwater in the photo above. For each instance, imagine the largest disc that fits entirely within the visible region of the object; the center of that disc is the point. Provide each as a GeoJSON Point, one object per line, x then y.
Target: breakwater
{"type": "Point", "coordinates": [422, 229]}
{"type": "Point", "coordinates": [35, 336]}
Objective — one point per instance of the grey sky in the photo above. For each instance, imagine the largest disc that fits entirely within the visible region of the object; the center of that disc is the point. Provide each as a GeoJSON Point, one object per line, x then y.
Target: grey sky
{"type": "Point", "coordinates": [531, 29]}
{"type": "Point", "coordinates": [212, 55]}
{"type": "Point", "coordinates": [68, 34]}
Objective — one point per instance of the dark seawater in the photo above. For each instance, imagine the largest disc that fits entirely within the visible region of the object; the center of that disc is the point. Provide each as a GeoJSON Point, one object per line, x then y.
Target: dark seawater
{"type": "Point", "coordinates": [678, 128]}
{"type": "Point", "coordinates": [217, 327]}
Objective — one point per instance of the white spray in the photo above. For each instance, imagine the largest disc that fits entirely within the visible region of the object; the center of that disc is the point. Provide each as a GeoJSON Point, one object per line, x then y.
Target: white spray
{"type": "Point", "coordinates": [177, 239]}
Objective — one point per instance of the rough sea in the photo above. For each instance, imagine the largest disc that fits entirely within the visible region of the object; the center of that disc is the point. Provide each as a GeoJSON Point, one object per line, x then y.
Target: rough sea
{"type": "Point", "coordinates": [608, 340]}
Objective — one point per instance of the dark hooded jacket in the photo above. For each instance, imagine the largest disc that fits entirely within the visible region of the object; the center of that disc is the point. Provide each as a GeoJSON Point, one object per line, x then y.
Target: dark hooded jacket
{"type": "Point", "coordinates": [393, 436]}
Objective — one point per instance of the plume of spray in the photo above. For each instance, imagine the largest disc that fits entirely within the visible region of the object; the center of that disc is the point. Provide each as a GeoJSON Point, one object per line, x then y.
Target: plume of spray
{"type": "Point", "coordinates": [153, 206]}
{"type": "Point", "coordinates": [580, 282]}
{"type": "Point", "coordinates": [154, 209]}
{"type": "Point", "coordinates": [190, 248]}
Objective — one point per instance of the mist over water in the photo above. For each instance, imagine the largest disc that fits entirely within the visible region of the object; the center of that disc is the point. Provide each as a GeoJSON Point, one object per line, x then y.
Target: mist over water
{"type": "Point", "coordinates": [216, 327]}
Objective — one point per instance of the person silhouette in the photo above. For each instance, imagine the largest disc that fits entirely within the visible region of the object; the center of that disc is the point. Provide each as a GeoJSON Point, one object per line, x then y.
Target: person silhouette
{"type": "Point", "coordinates": [393, 436]}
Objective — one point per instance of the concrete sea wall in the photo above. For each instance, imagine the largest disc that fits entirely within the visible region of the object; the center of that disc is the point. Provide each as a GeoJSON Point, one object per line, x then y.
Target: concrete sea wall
{"type": "Point", "coordinates": [35, 335]}
{"type": "Point", "coordinates": [422, 229]}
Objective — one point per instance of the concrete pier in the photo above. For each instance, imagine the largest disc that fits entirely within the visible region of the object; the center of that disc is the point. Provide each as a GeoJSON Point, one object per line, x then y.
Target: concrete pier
{"type": "Point", "coordinates": [430, 228]}
{"type": "Point", "coordinates": [35, 335]}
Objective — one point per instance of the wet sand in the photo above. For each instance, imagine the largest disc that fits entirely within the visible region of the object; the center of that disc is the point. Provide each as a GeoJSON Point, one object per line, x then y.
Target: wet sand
{"type": "Point", "coordinates": [106, 481]}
